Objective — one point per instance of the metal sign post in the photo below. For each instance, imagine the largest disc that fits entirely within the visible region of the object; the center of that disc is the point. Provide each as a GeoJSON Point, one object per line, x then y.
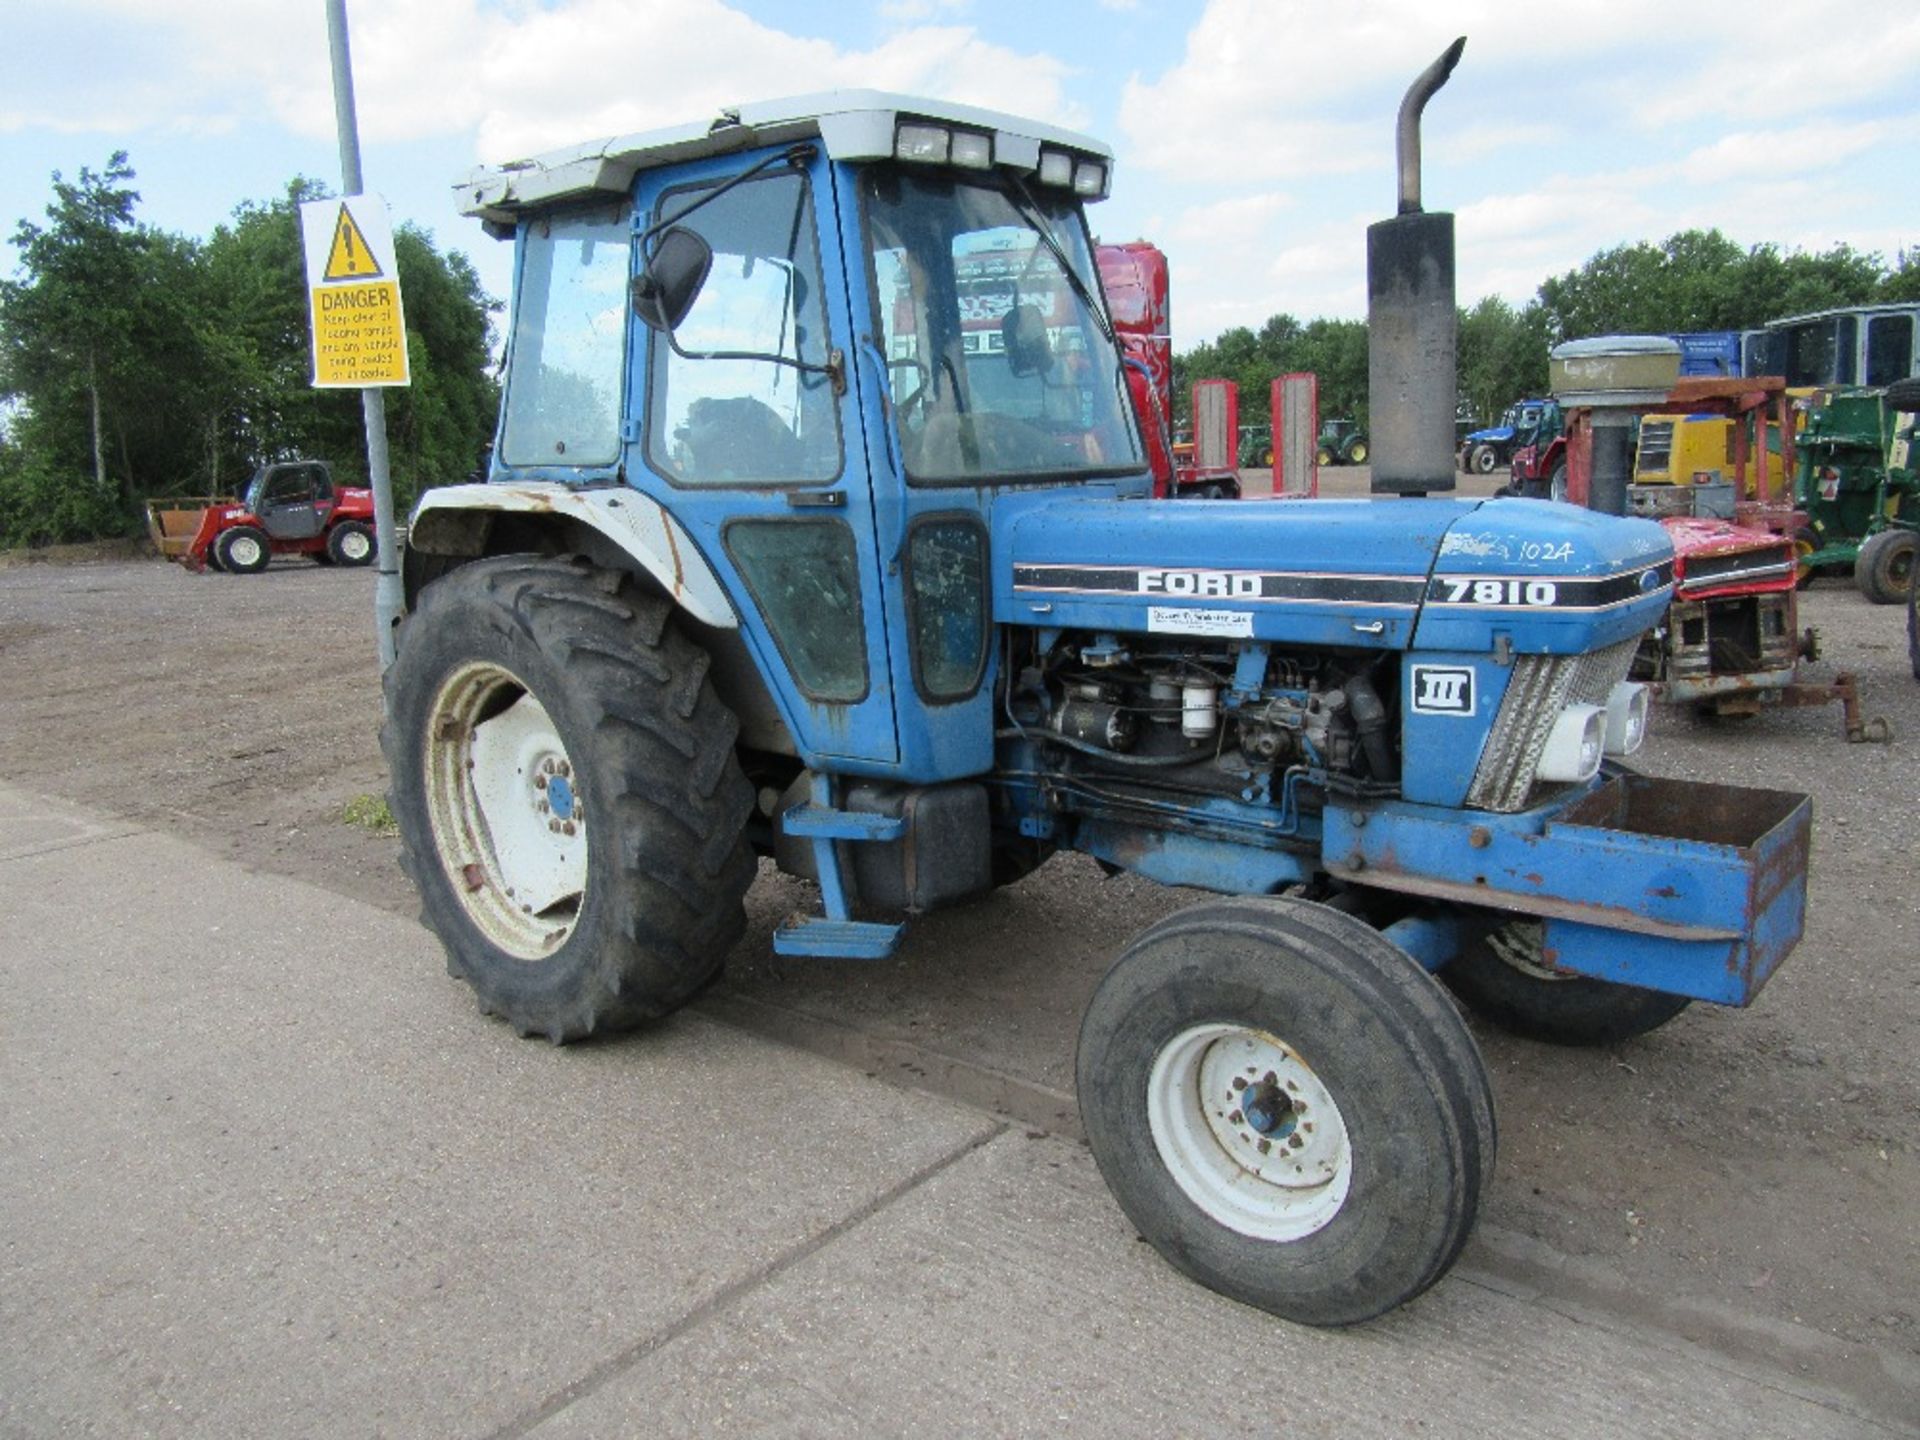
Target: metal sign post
{"type": "Point", "coordinates": [389, 599]}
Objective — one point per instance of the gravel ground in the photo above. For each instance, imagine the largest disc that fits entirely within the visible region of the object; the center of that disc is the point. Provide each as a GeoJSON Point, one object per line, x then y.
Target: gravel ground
{"type": "Point", "coordinates": [1759, 1164]}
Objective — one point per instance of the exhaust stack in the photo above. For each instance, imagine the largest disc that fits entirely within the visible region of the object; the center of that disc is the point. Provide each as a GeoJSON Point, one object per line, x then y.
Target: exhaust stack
{"type": "Point", "coordinates": [1412, 382]}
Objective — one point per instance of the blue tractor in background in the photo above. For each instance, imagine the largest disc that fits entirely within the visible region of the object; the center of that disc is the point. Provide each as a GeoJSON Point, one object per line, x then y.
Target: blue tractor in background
{"type": "Point", "coordinates": [819, 530]}
{"type": "Point", "coordinates": [1485, 450]}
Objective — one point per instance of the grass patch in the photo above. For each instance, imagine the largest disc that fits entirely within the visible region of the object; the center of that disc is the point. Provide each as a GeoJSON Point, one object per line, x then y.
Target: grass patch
{"type": "Point", "coordinates": [370, 813]}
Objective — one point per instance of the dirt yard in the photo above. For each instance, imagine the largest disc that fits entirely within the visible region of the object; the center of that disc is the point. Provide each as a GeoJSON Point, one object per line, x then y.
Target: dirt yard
{"type": "Point", "coordinates": [1730, 1171]}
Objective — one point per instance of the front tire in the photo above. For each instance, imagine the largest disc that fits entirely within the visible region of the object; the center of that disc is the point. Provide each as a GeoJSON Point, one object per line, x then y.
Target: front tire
{"type": "Point", "coordinates": [1358, 454]}
{"type": "Point", "coordinates": [1484, 461]}
{"type": "Point", "coordinates": [1287, 1108]}
{"type": "Point", "coordinates": [243, 550]}
{"type": "Point", "coordinates": [569, 802]}
{"type": "Point", "coordinates": [1503, 977]}
{"type": "Point", "coordinates": [1884, 567]}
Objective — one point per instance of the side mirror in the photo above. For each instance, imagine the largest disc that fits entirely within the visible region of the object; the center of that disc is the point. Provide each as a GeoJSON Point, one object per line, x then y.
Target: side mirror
{"type": "Point", "coordinates": [1023, 334]}
{"type": "Point", "coordinates": [664, 292]}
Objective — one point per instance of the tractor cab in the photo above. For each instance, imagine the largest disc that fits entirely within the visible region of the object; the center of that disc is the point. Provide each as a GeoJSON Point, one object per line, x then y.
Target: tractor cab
{"type": "Point", "coordinates": [819, 339]}
{"type": "Point", "coordinates": [291, 500]}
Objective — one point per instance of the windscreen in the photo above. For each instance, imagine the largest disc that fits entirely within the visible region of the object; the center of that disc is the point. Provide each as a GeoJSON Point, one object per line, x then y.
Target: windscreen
{"type": "Point", "coordinates": [999, 368]}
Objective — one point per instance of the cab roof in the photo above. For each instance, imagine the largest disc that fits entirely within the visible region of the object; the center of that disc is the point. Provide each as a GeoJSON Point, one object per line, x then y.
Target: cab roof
{"type": "Point", "coordinates": [850, 125]}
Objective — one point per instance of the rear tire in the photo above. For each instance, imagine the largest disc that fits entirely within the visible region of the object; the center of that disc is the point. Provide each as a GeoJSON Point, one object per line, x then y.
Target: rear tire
{"type": "Point", "coordinates": [243, 550]}
{"type": "Point", "coordinates": [531, 694]}
{"type": "Point", "coordinates": [350, 543]}
{"type": "Point", "coordinates": [1355, 1183]}
{"type": "Point", "coordinates": [1502, 977]}
{"type": "Point", "coordinates": [1884, 568]}
{"type": "Point", "coordinates": [1557, 483]}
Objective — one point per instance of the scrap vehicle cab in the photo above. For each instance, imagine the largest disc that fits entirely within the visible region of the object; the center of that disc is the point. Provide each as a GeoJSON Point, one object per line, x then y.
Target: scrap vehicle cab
{"type": "Point", "coordinates": [819, 528]}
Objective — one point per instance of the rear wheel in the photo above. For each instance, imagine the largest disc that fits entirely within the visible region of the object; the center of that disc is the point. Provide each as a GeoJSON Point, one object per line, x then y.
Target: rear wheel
{"type": "Point", "coordinates": [1287, 1108]}
{"type": "Point", "coordinates": [569, 802]}
{"type": "Point", "coordinates": [1884, 568]}
{"type": "Point", "coordinates": [1557, 483]}
{"type": "Point", "coordinates": [1503, 977]}
{"type": "Point", "coordinates": [350, 543]}
{"type": "Point", "coordinates": [243, 550]}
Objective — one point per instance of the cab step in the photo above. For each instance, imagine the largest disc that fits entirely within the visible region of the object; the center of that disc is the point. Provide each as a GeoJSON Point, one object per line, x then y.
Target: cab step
{"type": "Point", "coordinates": [817, 822]}
{"type": "Point", "coordinates": [822, 938]}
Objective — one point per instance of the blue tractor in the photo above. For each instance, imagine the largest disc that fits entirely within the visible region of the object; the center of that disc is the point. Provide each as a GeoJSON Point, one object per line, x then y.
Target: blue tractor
{"type": "Point", "coordinates": [1485, 450]}
{"type": "Point", "coordinates": [818, 528]}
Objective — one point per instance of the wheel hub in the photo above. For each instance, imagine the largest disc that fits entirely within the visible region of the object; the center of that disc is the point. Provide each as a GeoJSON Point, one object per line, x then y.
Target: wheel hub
{"type": "Point", "coordinates": [1249, 1131]}
{"type": "Point", "coordinates": [508, 815]}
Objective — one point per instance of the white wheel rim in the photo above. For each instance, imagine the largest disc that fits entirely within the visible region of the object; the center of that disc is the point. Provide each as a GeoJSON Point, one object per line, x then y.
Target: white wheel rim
{"type": "Point", "coordinates": [509, 822]}
{"type": "Point", "coordinates": [354, 546]}
{"type": "Point", "coordinates": [244, 551]}
{"type": "Point", "coordinates": [1249, 1132]}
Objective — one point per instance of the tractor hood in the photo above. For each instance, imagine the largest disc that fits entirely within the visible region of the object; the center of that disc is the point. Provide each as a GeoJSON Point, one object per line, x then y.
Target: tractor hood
{"type": "Point", "coordinates": [1375, 574]}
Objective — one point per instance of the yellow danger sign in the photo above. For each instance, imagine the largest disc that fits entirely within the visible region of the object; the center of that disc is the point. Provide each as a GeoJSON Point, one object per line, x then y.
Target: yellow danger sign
{"type": "Point", "coordinates": [348, 258]}
{"type": "Point", "coordinates": [353, 290]}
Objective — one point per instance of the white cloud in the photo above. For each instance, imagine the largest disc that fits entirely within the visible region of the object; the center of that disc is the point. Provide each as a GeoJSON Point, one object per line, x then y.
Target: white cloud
{"type": "Point", "coordinates": [526, 77]}
{"type": "Point", "coordinates": [1810, 147]}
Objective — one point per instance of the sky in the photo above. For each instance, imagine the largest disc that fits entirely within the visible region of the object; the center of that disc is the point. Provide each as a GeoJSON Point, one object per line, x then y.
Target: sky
{"type": "Point", "coordinates": [1253, 138]}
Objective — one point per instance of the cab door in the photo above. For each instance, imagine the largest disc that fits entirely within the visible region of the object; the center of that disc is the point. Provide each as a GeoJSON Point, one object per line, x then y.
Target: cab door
{"type": "Point", "coordinates": [745, 424]}
{"type": "Point", "coordinates": [289, 503]}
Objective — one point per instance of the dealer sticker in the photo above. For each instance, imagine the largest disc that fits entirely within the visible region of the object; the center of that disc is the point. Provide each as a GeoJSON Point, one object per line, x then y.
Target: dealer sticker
{"type": "Point", "coordinates": [1198, 620]}
{"type": "Point", "coordinates": [1443, 689]}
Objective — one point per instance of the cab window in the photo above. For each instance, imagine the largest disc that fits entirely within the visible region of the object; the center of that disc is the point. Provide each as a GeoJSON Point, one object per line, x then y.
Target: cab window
{"type": "Point", "coordinates": [564, 372]}
{"type": "Point", "coordinates": [729, 402]}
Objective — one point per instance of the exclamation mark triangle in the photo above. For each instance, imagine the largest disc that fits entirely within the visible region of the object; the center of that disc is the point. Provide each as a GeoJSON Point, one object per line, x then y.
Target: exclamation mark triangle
{"type": "Point", "coordinates": [348, 258]}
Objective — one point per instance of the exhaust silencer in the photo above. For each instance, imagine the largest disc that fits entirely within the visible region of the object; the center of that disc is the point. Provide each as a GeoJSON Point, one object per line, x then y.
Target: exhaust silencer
{"type": "Point", "coordinates": [1412, 382]}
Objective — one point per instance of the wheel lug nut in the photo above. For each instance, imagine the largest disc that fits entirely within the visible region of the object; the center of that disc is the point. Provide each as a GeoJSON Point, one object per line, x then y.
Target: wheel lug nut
{"type": "Point", "coordinates": [554, 826]}
{"type": "Point", "coordinates": [540, 782]}
{"type": "Point", "coordinates": [567, 829]}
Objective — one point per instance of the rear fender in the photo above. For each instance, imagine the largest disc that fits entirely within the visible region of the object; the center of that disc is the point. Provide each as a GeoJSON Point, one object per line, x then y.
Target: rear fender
{"type": "Point", "coordinates": [616, 528]}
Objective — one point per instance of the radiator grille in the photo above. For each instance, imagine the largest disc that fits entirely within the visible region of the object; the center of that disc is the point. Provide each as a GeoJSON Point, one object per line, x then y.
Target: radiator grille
{"type": "Point", "coordinates": [1542, 686]}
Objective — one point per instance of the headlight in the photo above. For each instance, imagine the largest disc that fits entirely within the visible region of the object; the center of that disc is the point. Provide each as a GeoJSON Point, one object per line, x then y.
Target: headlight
{"type": "Point", "coordinates": [1575, 744]}
{"type": "Point", "coordinates": [926, 143]}
{"type": "Point", "coordinates": [971, 151]}
{"type": "Point", "coordinates": [1089, 180]}
{"type": "Point", "coordinates": [1056, 168]}
{"type": "Point", "coordinates": [1627, 706]}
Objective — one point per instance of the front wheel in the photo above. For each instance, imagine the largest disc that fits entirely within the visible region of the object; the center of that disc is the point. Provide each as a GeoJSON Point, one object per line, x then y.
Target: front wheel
{"type": "Point", "coordinates": [243, 550]}
{"type": "Point", "coordinates": [1323, 456]}
{"type": "Point", "coordinates": [1884, 567]}
{"type": "Point", "coordinates": [570, 806]}
{"type": "Point", "coordinates": [1287, 1108]}
{"type": "Point", "coordinates": [1358, 454]}
{"type": "Point", "coordinates": [1483, 460]}
{"type": "Point", "coordinates": [1504, 977]}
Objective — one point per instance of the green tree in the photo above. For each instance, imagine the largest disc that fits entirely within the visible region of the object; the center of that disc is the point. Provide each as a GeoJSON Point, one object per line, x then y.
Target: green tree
{"type": "Point", "coordinates": [1701, 280]}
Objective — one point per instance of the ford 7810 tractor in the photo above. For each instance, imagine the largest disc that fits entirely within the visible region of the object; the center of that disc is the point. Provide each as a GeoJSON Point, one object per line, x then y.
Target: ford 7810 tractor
{"type": "Point", "coordinates": [782, 554]}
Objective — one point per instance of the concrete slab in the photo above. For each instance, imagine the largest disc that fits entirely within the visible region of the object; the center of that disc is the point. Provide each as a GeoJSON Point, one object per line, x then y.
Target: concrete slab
{"type": "Point", "coordinates": [30, 825]}
{"type": "Point", "coordinates": [264, 1171]}
{"type": "Point", "coordinates": [1006, 1297]}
